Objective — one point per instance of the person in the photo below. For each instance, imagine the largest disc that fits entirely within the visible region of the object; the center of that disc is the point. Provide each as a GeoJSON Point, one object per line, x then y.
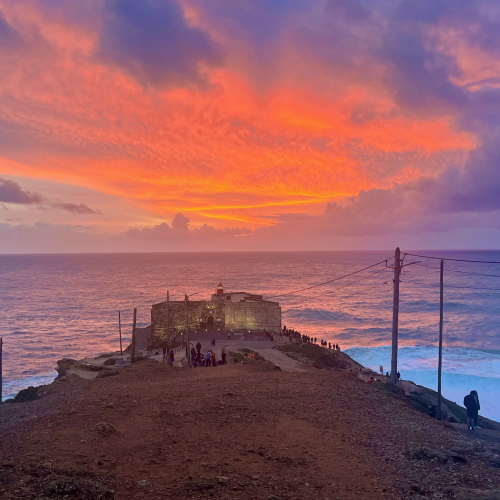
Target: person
{"type": "Point", "coordinates": [214, 342]}
{"type": "Point", "coordinates": [214, 363]}
{"type": "Point", "coordinates": [164, 353]}
{"type": "Point", "coordinates": [223, 356]}
{"type": "Point", "coordinates": [171, 357]}
{"type": "Point", "coordinates": [228, 336]}
{"type": "Point", "coordinates": [470, 404]}
{"type": "Point", "coordinates": [478, 407]}
{"type": "Point", "coordinates": [193, 354]}
{"type": "Point", "coordinates": [198, 346]}
{"type": "Point", "coordinates": [387, 375]}
{"type": "Point", "coordinates": [247, 357]}
{"type": "Point", "coordinates": [208, 358]}
{"type": "Point", "coordinates": [370, 381]}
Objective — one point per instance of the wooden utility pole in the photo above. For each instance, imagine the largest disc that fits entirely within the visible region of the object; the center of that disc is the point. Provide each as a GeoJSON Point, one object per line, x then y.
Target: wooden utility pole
{"type": "Point", "coordinates": [188, 354]}
{"type": "Point", "coordinates": [168, 324]}
{"type": "Point", "coordinates": [441, 308]}
{"type": "Point", "coordinates": [395, 316]}
{"type": "Point", "coordinates": [1, 349]}
{"type": "Point", "coordinates": [120, 329]}
{"type": "Point", "coordinates": [132, 351]}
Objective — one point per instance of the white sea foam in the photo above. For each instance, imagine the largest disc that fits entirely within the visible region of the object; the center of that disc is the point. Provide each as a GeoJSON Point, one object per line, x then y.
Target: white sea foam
{"type": "Point", "coordinates": [463, 370]}
{"type": "Point", "coordinates": [12, 387]}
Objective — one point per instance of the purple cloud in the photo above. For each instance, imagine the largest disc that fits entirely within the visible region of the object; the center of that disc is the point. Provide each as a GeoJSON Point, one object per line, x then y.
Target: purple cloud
{"type": "Point", "coordinates": [151, 39]}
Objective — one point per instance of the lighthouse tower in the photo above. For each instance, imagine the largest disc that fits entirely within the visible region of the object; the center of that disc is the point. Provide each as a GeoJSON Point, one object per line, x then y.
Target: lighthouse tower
{"type": "Point", "coordinates": [220, 289]}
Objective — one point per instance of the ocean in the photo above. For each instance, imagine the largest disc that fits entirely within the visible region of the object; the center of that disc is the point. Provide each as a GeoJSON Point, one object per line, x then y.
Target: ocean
{"type": "Point", "coordinates": [55, 306]}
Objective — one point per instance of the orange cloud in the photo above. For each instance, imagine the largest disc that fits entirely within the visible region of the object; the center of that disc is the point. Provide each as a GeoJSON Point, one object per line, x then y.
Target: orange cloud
{"type": "Point", "coordinates": [236, 151]}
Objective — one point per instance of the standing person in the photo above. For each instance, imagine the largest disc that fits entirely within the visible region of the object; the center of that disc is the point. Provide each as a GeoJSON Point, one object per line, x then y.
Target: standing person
{"type": "Point", "coordinates": [171, 358]}
{"type": "Point", "coordinates": [214, 342]}
{"type": "Point", "coordinates": [208, 358]}
{"type": "Point", "coordinates": [164, 353]}
{"type": "Point", "coordinates": [398, 376]}
{"type": "Point", "coordinates": [223, 356]}
{"type": "Point", "coordinates": [213, 358]}
{"type": "Point", "coordinates": [198, 346]}
{"type": "Point", "coordinates": [193, 354]}
{"type": "Point", "coordinates": [470, 404]}
{"type": "Point", "coordinates": [478, 407]}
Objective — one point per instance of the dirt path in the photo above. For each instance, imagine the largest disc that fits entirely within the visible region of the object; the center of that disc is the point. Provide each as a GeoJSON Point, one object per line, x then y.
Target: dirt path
{"type": "Point", "coordinates": [286, 363]}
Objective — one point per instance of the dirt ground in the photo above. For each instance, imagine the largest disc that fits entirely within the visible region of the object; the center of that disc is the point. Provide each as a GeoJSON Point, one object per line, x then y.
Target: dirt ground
{"type": "Point", "coordinates": [238, 431]}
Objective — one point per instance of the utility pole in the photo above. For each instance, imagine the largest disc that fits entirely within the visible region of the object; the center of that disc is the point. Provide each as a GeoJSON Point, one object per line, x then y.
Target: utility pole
{"type": "Point", "coordinates": [188, 354]}
{"type": "Point", "coordinates": [168, 327]}
{"type": "Point", "coordinates": [441, 308]}
{"type": "Point", "coordinates": [395, 316]}
{"type": "Point", "coordinates": [132, 351]}
{"type": "Point", "coordinates": [1, 349]}
{"type": "Point", "coordinates": [120, 329]}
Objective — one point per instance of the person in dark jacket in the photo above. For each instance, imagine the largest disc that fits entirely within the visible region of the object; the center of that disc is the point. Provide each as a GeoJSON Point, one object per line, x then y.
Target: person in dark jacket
{"type": "Point", "coordinates": [223, 356]}
{"type": "Point", "coordinates": [478, 407]}
{"type": "Point", "coordinates": [470, 404]}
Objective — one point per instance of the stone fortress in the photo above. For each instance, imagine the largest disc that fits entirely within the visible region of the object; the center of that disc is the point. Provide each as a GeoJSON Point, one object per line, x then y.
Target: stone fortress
{"type": "Point", "coordinates": [225, 312]}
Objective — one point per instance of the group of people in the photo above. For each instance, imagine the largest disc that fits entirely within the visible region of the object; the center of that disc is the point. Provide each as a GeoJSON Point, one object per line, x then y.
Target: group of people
{"type": "Point", "coordinates": [335, 347]}
{"type": "Point", "coordinates": [294, 335]}
{"type": "Point", "coordinates": [207, 360]}
{"type": "Point", "coordinates": [471, 402]}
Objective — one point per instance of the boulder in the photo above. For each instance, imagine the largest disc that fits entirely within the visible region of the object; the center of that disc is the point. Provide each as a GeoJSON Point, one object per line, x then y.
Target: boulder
{"type": "Point", "coordinates": [107, 373]}
{"type": "Point", "coordinates": [110, 362]}
{"type": "Point", "coordinates": [105, 428]}
{"type": "Point", "coordinates": [63, 365]}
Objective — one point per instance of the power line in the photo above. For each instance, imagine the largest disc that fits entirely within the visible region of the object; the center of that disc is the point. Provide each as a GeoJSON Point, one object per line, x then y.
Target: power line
{"type": "Point", "coordinates": [452, 286]}
{"type": "Point", "coordinates": [454, 260]}
{"type": "Point", "coordinates": [461, 272]}
{"type": "Point", "coordinates": [357, 281]}
{"type": "Point", "coordinates": [365, 290]}
{"type": "Point", "coordinates": [329, 281]}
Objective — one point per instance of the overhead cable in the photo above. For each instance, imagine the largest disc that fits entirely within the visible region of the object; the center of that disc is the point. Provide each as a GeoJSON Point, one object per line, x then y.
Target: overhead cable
{"type": "Point", "coordinates": [357, 281]}
{"type": "Point", "coordinates": [453, 260]}
{"type": "Point", "coordinates": [461, 272]}
{"type": "Point", "coordinates": [329, 281]}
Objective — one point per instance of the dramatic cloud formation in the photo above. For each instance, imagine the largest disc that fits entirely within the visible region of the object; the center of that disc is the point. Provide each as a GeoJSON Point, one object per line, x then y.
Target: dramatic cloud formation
{"type": "Point", "coordinates": [254, 123]}
{"type": "Point", "coordinates": [11, 192]}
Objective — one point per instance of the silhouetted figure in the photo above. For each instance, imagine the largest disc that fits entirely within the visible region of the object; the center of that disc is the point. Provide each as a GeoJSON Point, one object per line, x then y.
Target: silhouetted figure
{"type": "Point", "coordinates": [208, 359]}
{"type": "Point", "coordinates": [478, 407]}
{"type": "Point", "coordinates": [470, 404]}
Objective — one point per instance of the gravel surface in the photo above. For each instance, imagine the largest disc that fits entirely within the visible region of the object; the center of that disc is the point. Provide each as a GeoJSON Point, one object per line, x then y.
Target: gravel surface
{"type": "Point", "coordinates": [242, 431]}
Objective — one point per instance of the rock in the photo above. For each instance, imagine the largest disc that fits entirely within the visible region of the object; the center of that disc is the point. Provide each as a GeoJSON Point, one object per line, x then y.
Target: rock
{"type": "Point", "coordinates": [110, 362]}
{"type": "Point", "coordinates": [105, 355]}
{"type": "Point", "coordinates": [63, 365]}
{"type": "Point", "coordinates": [469, 494]}
{"type": "Point", "coordinates": [144, 482]}
{"type": "Point", "coordinates": [25, 395]}
{"type": "Point", "coordinates": [110, 405]}
{"type": "Point", "coordinates": [107, 373]}
{"type": "Point", "coordinates": [77, 488]}
{"type": "Point", "coordinates": [105, 428]}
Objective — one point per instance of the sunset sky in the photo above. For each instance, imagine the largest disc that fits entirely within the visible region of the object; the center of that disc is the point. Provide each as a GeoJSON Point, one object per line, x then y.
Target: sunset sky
{"type": "Point", "coordinates": [163, 125]}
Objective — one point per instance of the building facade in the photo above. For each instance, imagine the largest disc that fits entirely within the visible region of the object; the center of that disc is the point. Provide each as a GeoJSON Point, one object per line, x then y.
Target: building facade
{"type": "Point", "coordinates": [224, 312]}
